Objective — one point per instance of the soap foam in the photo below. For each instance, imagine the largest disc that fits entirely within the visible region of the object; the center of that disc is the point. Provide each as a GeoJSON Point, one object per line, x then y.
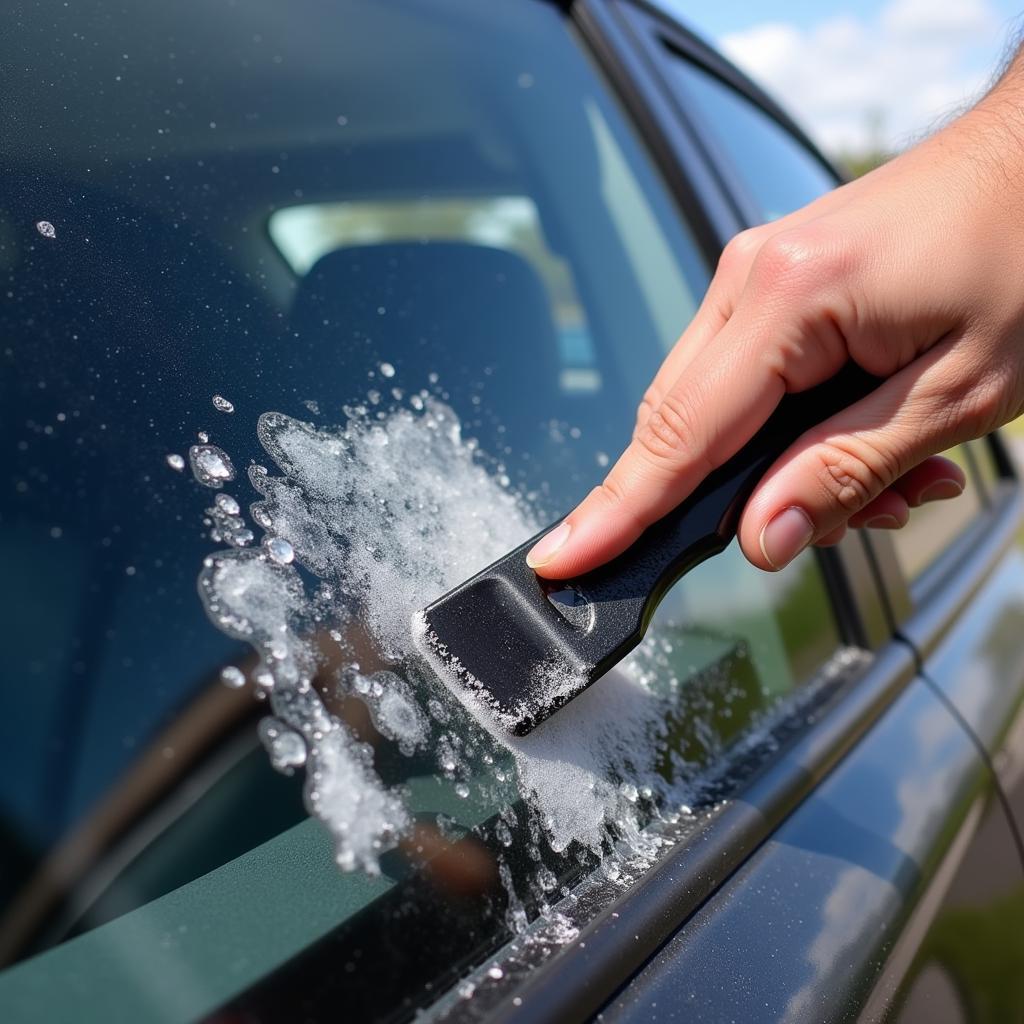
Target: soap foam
{"type": "Point", "coordinates": [384, 515]}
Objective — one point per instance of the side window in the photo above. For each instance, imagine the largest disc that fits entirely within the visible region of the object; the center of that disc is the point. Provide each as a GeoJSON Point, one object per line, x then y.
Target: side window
{"type": "Point", "coordinates": [778, 171]}
{"type": "Point", "coordinates": [739, 640]}
{"type": "Point", "coordinates": [932, 528]}
{"type": "Point", "coordinates": [379, 307]}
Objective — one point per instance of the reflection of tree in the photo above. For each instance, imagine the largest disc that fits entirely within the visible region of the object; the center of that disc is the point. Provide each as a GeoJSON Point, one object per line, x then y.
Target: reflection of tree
{"type": "Point", "coordinates": [979, 950]}
{"type": "Point", "coordinates": [506, 222]}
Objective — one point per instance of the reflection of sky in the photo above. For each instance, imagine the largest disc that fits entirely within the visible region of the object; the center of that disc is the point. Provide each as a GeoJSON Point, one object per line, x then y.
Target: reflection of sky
{"type": "Point", "coordinates": [860, 72]}
{"type": "Point", "coordinates": [931, 762]}
{"type": "Point", "coordinates": [981, 682]}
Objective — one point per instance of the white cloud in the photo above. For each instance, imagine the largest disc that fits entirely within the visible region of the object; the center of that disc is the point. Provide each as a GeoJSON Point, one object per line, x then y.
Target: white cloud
{"type": "Point", "coordinates": [854, 81]}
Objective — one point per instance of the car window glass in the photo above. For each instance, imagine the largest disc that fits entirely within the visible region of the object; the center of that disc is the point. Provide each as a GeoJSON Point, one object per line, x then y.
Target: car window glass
{"type": "Point", "coordinates": [304, 233]}
{"type": "Point", "coordinates": [306, 320]}
{"type": "Point", "coordinates": [933, 527]}
{"type": "Point", "coordinates": [778, 171]}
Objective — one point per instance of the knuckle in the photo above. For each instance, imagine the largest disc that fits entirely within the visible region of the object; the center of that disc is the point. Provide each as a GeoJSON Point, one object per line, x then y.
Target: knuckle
{"type": "Point", "coordinates": [804, 259]}
{"type": "Point", "coordinates": [741, 249]}
{"type": "Point", "coordinates": [851, 475]}
{"type": "Point", "coordinates": [668, 432]}
{"type": "Point", "coordinates": [649, 402]}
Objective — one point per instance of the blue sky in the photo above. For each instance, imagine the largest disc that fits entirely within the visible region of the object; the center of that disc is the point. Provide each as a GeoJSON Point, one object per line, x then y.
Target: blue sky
{"type": "Point", "coordinates": [856, 72]}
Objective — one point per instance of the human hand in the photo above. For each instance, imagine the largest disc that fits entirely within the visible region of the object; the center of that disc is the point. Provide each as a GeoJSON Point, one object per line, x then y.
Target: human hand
{"type": "Point", "coordinates": [916, 273]}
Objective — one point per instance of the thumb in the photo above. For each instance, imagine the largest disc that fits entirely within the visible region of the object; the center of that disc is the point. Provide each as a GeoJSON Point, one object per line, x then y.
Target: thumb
{"type": "Point", "coordinates": [858, 463]}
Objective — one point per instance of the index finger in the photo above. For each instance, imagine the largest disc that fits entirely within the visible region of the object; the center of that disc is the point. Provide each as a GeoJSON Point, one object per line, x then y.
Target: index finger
{"type": "Point", "coordinates": [726, 392]}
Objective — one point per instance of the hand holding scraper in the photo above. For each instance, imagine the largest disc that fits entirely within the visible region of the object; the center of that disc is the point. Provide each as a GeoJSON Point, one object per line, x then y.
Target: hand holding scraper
{"type": "Point", "coordinates": [524, 646]}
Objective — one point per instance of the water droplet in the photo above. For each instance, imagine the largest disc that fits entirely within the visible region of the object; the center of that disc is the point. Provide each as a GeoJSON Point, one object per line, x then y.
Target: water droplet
{"type": "Point", "coordinates": [279, 550]}
{"type": "Point", "coordinates": [221, 404]}
{"type": "Point", "coordinates": [261, 516]}
{"type": "Point", "coordinates": [175, 461]}
{"type": "Point", "coordinates": [387, 370]}
{"type": "Point", "coordinates": [602, 458]}
{"type": "Point", "coordinates": [232, 675]}
{"type": "Point", "coordinates": [210, 465]}
{"type": "Point", "coordinates": [264, 679]}
{"type": "Point", "coordinates": [203, 436]}
{"type": "Point", "coordinates": [495, 972]}
{"type": "Point", "coordinates": [287, 749]}
{"type": "Point", "coordinates": [46, 229]}
{"type": "Point", "coordinates": [227, 504]}
{"type": "Point", "coordinates": [461, 790]}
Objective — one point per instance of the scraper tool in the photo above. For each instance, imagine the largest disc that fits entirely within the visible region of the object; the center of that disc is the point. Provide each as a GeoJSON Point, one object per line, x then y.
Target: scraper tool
{"type": "Point", "coordinates": [523, 646]}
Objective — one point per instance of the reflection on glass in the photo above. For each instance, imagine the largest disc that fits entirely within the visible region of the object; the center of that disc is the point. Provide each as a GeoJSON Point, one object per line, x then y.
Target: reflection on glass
{"type": "Point", "coordinates": [780, 173]}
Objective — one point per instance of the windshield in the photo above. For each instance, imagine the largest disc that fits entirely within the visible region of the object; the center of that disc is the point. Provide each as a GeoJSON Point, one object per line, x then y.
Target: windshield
{"type": "Point", "coordinates": [309, 314]}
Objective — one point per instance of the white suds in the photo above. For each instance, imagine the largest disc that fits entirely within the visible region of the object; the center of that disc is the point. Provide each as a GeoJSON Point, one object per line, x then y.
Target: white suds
{"type": "Point", "coordinates": [386, 514]}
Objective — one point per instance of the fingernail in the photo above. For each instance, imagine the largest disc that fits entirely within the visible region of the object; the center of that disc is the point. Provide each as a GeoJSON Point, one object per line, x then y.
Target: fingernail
{"type": "Point", "coordinates": [884, 522]}
{"type": "Point", "coordinates": [785, 536]}
{"type": "Point", "coordinates": [548, 546]}
{"type": "Point", "coordinates": [941, 489]}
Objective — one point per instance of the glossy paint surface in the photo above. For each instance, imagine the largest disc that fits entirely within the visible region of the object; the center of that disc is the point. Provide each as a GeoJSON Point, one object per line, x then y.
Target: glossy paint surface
{"type": "Point", "coordinates": [802, 932]}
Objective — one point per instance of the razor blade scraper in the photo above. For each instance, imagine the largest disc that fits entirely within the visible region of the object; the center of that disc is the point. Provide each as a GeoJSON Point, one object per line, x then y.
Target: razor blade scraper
{"type": "Point", "coordinates": [523, 646]}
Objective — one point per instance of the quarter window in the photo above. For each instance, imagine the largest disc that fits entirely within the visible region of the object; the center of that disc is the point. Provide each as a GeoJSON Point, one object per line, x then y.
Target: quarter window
{"type": "Point", "coordinates": [778, 171]}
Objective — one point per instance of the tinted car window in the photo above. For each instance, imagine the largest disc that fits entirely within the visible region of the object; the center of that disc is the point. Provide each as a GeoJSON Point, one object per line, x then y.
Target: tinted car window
{"type": "Point", "coordinates": [932, 528]}
{"type": "Point", "coordinates": [306, 320]}
{"type": "Point", "coordinates": [779, 172]}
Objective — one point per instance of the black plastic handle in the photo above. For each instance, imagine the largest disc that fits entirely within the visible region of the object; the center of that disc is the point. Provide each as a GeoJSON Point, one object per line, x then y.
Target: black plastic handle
{"type": "Point", "coordinates": [506, 622]}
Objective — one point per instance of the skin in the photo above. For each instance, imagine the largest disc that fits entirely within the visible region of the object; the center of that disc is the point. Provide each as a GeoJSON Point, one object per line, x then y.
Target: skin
{"type": "Point", "coordinates": [916, 273]}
